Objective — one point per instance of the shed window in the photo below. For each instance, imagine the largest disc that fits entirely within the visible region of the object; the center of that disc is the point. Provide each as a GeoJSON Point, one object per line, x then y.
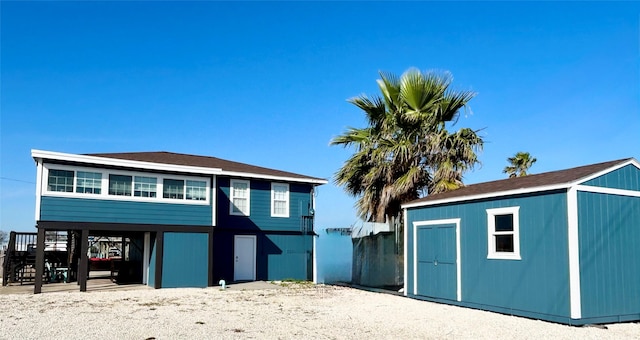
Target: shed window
{"type": "Point", "coordinates": [240, 198]}
{"type": "Point", "coordinates": [503, 231]}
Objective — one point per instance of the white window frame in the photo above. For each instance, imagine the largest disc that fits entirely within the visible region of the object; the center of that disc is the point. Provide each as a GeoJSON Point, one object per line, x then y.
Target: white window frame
{"type": "Point", "coordinates": [273, 200]}
{"type": "Point", "coordinates": [76, 178]}
{"type": "Point", "coordinates": [104, 189]}
{"type": "Point", "coordinates": [491, 233]}
{"type": "Point", "coordinates": [231, 197]}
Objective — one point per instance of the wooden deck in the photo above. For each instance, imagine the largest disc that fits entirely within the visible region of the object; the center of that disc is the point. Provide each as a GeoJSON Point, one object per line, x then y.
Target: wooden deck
{"type": "Point", "coordinates": [98, 281]}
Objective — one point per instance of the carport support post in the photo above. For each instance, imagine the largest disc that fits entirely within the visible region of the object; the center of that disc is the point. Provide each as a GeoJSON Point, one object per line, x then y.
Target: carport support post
{"type": "Point", "coordinates": [122, 248]}
{"type": "Point", "coordinates": [84, 261]}
{"type": "Point", "coordinates": [157, 282]}
{"type": "Point", "coordinates": [37, 287]}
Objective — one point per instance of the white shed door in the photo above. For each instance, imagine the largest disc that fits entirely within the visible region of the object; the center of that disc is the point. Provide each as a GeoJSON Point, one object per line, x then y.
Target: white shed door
{"type": "Point", "coordinates": [244, 249]}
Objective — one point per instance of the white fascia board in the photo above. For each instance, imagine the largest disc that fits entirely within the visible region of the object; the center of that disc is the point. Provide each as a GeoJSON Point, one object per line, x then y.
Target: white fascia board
{"type": "Point", "coordinates": [38, 188]}
{"type": "Point", "coordinates": [277, 178]}
{"type": "Point", "coordinates": [609, 191]}
{"type": "Point", "coordinates": [50, 155]}
{"type": "Point", "coordinates": [632, 161]}
{"type": "Point", "coordinates": [488, 195]}
{"type": "Point", "coordinates": [406, 258]}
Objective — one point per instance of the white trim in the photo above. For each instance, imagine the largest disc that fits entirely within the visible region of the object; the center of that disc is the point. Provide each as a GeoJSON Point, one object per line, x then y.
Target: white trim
{"type": "Point", "coordinates": [488, 195]}
{"type": "Point", "coordinates": [406, 253]}
{"type": "Point", "coordinates": [276, 178]}
{"type": "Point", "coordinates": [610, 191]}
{"type": "Point", "coordinates": [315, 267]}
{"type": "Point", "coordinates": [45, 155]}
{"type": "Point", "coordinates": [214, 200]}
{"type": "Point", "coordinates": [492, 254]}
{"type": "Point", "coordinates": [607, 170]}
{"type": "Point", "coordinates": [458, 263]}
{"type": "Point", "coordinates": [241, 213]}
{"type": "Point", "coordinates": [50, 155]}
{"type": "Point", "coordinates": [273, 200]}
{"type": "Point", "coordinates": [146, 256]}
{"type": "Point", "coordinates": [38, 188]}
{"type": "Point", "coordinates": [455, 221]}
{"type": "Point", "coordinates": [574, 253]}
{"type": "Point", "coordinates": [104, 190]}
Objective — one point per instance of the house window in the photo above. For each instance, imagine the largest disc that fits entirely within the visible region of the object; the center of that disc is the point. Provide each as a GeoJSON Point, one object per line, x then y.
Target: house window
{"type": "Point", "coordinates": [144, 186]}
{"type": "Point", "coordinates": [196, 190]}
{"type": "Point", "coordinates": [120, 185]}
{"type": "Point", "coordinates": [279, 200]}
{"type": "Point", "coordinates": [173, 188]}
{"type": "Point", "coordinates": [240, 198]}
{"type": "Point", "coordinates": [88, 182]}
{"type": "Point", "coordinates": [503, 233]}
{"type": "Point", "coordinates": [60, 181]}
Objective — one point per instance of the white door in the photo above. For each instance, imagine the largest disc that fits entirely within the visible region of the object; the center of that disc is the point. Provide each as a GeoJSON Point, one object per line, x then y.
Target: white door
{"type": "Point", "coordinates": [244, 254]}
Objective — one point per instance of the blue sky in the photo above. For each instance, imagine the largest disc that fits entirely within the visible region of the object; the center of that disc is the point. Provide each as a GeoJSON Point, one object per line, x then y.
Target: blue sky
{"type": "Point", "coordinates": [266, 83]}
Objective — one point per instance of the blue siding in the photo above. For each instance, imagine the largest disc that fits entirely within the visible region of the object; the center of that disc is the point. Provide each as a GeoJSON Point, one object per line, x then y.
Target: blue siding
{"type": "Point", "coordinates": [609, 238]}
{"type": "Point", "coordinates": [260, 203]}
{"type": "Point", "coordinates": [278, 257]}
{"type": "Point", "coordinates": [536, 284]}
{"type": "Point", "coordinates": [627, 177]}
{"type": "Point", "coordinates": [186, 258]}
{"type": "Point", "coordinates": [94, 210]}
{"type": "Point", "coordinates": [294, 260]}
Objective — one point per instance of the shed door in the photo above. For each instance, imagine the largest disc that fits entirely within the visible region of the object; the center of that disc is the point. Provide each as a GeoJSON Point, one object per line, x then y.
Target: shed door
{"type": "Point", "coordinates": [244, 252]}
{"type": "Point", "coordinates": [436, 261]}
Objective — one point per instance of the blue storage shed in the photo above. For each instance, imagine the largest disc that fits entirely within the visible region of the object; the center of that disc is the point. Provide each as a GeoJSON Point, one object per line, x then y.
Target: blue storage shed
{"type": "Point", "coordinates": [561, 246]}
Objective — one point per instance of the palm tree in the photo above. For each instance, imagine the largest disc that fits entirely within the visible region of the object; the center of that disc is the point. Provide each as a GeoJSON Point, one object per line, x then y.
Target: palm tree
{"type": "Point", "coordinates": [406, 150]}
{"type": "Point", "coordinates": [519, 164]}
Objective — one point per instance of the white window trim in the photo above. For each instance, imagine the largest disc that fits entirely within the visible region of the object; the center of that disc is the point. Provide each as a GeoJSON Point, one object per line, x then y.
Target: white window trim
{"type": "Point", "coordinates": [231, 185]}
{"type": "Point", "coordinates": [273, 200]}
{"type": "Point", "coordinates": [491, 232]}
{"type": "Point", "coordinates": [104, 190]}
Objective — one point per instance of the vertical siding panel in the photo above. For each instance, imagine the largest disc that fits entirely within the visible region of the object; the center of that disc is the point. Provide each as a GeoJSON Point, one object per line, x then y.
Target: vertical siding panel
{"type": "Point", "coordinates": [185, 261]}
{"type": "Point", "coordinates": [627, 177]}
{"type": "Point", "coordinates": [610, 237]}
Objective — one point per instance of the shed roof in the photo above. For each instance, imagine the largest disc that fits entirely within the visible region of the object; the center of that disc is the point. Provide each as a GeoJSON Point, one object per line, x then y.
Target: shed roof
{"type": "Point", "coordinates": [550, 180]}
{"type": "Point", "coordinates": [164, 157]}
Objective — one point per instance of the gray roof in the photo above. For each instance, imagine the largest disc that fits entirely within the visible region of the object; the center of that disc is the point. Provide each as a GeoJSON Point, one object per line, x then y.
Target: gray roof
{"type": "Point", "coordinates": [164, 157]}
{"type": "Point", "coordinates": [531, 181]}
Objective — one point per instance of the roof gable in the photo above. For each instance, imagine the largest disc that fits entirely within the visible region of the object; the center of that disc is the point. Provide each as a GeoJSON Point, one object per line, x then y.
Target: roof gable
{"type": "Point", "coordinates": [531, 183]}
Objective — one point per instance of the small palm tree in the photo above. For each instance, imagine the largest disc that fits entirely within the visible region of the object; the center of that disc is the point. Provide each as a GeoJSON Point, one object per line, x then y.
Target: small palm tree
{"type": "Point", "coordinates": [519, 164]}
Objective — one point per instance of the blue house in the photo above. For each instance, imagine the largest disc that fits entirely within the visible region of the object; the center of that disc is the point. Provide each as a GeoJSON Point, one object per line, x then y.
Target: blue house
{"type": "Point", "coordinates": [561, 246]}
{"type": "Point", "coordinates": [190, 220]}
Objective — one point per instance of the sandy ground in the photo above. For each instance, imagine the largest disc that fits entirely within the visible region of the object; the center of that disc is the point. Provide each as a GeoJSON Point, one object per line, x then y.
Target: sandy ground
{"type": "Point", "coordinates": [298, 311]}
